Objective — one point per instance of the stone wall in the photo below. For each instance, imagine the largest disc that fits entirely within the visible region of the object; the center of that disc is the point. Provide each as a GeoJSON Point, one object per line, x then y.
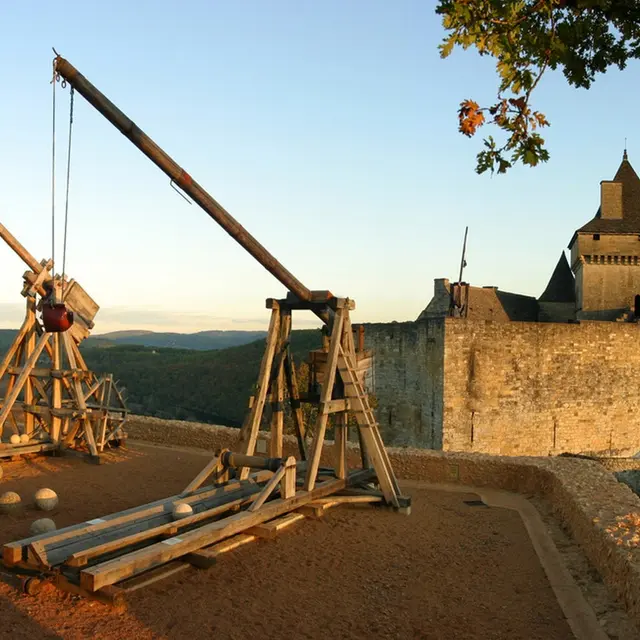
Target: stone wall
{"type": "Point", "coordinates": [542, 389]}
{"type": "Point", "coordinates": [407, 381]}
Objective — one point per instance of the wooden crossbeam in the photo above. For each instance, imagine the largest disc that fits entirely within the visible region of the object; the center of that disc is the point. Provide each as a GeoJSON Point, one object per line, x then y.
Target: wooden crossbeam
{"type": "Point", "coordinates": [213, 464]}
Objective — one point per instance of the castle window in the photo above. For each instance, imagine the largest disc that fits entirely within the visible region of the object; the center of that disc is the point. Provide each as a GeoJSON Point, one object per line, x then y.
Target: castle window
{"type": "Point", "coordinates": [596, 236]}
{"type": "Point", "coordinates": [636, 307]}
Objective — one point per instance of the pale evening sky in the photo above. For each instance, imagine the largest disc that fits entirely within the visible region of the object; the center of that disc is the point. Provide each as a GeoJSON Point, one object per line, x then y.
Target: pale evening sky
{"type": "Point", "coordinates": [327, 129]}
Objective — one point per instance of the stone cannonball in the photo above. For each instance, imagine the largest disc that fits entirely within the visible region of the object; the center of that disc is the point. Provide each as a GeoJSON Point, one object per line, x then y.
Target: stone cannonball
{"type": "Point", "coordinates": [43, 525]}
{"type": "Point", "coordinates": [182, 510]}
{"type": "Point", "coordinates": [46, 499]}
{"type": "Point", "coordinates": [9, 502]}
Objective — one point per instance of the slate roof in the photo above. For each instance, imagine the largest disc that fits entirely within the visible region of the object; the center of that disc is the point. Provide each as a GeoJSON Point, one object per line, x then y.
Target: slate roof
{"type": "Point", "coordinates": [518, 307]}
{"type": "Point", "coordinates": [561, 287]}
{"type": "Point", "coordinates": [630, 221]}
{"type": "Point", "coordinates": [489, 303]}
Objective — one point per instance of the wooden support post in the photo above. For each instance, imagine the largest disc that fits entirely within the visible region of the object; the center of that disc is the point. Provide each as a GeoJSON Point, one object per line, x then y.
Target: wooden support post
{"type": "Point", "coordinates": [249, 431]}
{"type": "Point", "coordinates": [108, 380]}
{"type": "Point", "coordinates": [288, 484]}
{"type": "Point", "coordinates": [277, 386]}
{"type": "Point", "coordinates": [268, 489]}
{"type": "Point", "coordinates": [15, 345]}
{"type": "Point", "coordinates": [296, 409]}
{"type": "Point", "coordinates": [30, 346]}
{"type": "Point", "coordinates": [340, 438]}
{"type": "Point", "coordinates": [56, 395]}
{"type": "Point", "coordinates": [22, 378]}
{"type": "Point", "coordinates": [325, 396]}
{"type": "Point", "coordinates": [213, 464]}
{"type": "Point", "coordinates": [89, 436]}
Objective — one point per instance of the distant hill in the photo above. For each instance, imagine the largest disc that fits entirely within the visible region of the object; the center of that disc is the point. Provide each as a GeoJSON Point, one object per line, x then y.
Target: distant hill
{"type": "Point", "coordinates": [209, 380]}
{"type": "Point", "coordinates": [208, 386]}
{"type": "Point", "coordinates": [201, 341]}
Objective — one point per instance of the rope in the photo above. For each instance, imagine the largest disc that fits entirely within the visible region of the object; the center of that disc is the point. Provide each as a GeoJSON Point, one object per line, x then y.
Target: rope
{"type": "Point", "coordinates": [53, 172]}
{"type": "Point", "coordinates": [66, 203]}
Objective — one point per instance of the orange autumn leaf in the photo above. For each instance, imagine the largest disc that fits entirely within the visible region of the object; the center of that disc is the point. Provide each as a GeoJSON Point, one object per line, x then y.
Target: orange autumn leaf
{"type": "Point", "coordinates": [470, 117]}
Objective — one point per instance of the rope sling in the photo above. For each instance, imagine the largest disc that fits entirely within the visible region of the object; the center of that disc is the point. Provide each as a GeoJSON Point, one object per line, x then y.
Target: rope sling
{"type": "Point", "coordinates": [55, 316]}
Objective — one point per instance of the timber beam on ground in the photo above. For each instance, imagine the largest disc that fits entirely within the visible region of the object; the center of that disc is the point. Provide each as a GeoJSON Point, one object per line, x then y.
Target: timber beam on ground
{"type": "Point", "coordinates": [108, 556]}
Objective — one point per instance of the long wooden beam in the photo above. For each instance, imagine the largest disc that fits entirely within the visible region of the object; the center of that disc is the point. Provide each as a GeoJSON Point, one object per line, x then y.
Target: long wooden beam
{"type": "Point", "coordinates": [154, 555]}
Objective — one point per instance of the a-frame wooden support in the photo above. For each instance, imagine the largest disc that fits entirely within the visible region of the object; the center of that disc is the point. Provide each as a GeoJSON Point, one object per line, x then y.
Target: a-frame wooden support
{"type": "Point", "coordinates": [50, 400]}
{"type": "Point", "coordinates": [340, 393]}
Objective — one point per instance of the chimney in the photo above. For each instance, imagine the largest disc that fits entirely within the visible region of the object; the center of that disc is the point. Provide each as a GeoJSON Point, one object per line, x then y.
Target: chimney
{"type": "Point", "coordinates": [611, 200]}
{"type": "Point", "coordinates": [441, 285]}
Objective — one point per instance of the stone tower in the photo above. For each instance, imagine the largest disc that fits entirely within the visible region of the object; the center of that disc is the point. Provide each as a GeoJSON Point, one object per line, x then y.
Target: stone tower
{"type": "Point", "coordinates": [605, 252]}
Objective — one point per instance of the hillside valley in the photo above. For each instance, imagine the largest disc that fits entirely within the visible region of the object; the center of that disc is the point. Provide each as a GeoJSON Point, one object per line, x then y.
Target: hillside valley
{"type": "Point", "coordinates": [167, 381]}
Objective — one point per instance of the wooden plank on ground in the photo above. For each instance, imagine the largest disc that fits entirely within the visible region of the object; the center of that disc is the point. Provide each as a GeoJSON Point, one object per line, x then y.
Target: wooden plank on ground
{"type": "Point", "coordinates": [206, 557]}
{"type": "Point", "coordinates": [12, 551]}
{"type": "Point", "coordinates": [316, 509]}
{"type": "Point", "coordinates": [154, 555]}
{"type": "Point", "coordinates": [155, 575]}
{"type": "Point", "coordinates": [270, 530]}
{"type": "Point", "coordinates": [81, 558]}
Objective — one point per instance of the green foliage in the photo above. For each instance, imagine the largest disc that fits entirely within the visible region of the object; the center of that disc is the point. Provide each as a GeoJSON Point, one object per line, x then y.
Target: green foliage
{"type": "Point", "coordinates": [527, 37]}
{"type": "Point", "coordinates": [206, 386]}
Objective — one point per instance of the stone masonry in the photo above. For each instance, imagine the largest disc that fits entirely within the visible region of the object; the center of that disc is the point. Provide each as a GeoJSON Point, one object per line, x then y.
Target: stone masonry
{"type": "Point", "coordinates": [509, 388]}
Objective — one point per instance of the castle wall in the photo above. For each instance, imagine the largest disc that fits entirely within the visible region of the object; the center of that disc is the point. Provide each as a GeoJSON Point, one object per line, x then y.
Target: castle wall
{"type": "Point", "coordinates": [407, 381]}
{"type": "Point", "coordinates": [608, 277]}
{"type": "Point", "coordinates": [608, 286]}
{"type": "Point", "coordinates": [541, 389]}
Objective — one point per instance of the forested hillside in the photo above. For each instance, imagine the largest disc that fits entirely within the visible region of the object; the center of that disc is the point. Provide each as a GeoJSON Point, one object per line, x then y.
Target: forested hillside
{"type": "Point", "coordinates": [202, 340]}
{"type": "Point", "coordinates": [206, 386]}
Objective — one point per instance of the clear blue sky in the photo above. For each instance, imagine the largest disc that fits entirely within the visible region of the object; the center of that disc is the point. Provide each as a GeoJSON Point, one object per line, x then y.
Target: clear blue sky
{"type": "Point", "coordinates": [328, 129]}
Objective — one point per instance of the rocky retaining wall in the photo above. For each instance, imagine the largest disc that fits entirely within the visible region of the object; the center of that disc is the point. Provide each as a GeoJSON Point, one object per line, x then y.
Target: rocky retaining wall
{"type": "Point", "coordinates": [602, 514]}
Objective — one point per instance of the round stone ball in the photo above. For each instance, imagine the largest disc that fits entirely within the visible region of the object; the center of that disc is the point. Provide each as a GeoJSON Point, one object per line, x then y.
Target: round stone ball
{"type": "Point", "coordinates": [15, 439]}
{"type": "Point", "coordinates": [43, 525]}
{"type": "Point", "coordinates": [9, 502]}
{"type": "Point", "coordinates": [182, 510]}
{"type": "Point", "coordinates": [46, 499]}
{"type": "Point", "coordinates": [24, 438]}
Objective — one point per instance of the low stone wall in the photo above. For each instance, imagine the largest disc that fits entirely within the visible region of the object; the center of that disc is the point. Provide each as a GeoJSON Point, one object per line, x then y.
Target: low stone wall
{"type": "Point", "coordinates": [602, 514]}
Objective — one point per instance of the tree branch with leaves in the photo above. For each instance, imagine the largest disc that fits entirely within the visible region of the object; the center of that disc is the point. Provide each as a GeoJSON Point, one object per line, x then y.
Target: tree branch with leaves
{"type": "Point", "coordinates": [527, 38]}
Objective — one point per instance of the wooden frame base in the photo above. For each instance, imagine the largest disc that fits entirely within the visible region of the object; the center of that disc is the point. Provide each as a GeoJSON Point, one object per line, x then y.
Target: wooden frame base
{"type": "Point", "coordinates": [62, 406]}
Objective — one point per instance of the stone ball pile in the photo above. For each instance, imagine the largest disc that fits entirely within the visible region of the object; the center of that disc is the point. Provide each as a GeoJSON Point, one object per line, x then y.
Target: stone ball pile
{"type": "Point", "coordinates": [10, 502]}
{"type": "Point", "coordinates": [46, 499]}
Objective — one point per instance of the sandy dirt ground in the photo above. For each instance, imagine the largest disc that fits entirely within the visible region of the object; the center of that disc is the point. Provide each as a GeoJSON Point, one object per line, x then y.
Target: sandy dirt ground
{"type": "Point", "coordinates": [449, 570]}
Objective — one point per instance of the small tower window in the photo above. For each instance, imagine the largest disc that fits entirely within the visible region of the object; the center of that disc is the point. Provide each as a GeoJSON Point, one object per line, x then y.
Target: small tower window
{"type": "Point", "coordinates": [596, 236]}
{"type": "Point", "coordinates": [636, 307]}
